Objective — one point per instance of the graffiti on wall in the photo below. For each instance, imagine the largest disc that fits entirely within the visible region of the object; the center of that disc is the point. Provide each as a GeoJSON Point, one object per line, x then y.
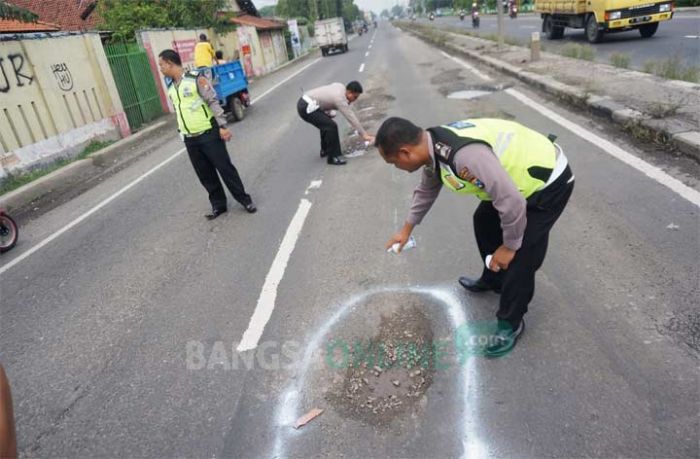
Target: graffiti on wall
{"type": "Point", "coordinates": [63, 76]}
{"type": "Point", "coordinates": [13, 72]}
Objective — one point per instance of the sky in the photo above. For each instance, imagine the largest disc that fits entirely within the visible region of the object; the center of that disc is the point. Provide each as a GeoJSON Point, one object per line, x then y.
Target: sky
{"type": "Point", "coordinates": [367, 5]}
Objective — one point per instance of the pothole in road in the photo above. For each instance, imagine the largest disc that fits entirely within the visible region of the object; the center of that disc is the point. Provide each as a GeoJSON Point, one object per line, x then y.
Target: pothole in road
{"type": "Point", "coordinates": [448, 76]}
{"type": "Point", "coordinates": [388, 374]}
{"type": "Point", "coordinates": [370, 109]}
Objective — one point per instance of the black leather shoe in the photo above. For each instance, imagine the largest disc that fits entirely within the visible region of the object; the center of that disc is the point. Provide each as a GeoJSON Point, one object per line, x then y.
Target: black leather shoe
{"type": "Point", "coordinates": [477, 285]}
{"type": "Point", "coordinates": [323, 154]}
{"type": "Point", "coordinates": [335, 161]}
{"type": "Point", "coordinates": [503, 340]}
{"type": "Point", "coordinates": [250, 208]}
{"type": "Point", "coordinates": [215, 213]}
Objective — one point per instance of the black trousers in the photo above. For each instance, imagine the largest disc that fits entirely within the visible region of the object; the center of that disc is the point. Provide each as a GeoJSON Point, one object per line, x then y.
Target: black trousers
{"type": "Point", "coordinates": [330, 139]}
{"type": "Point", "coordinates": [208, 155]}
{"type": "Point", "coordinates": [518, 281]}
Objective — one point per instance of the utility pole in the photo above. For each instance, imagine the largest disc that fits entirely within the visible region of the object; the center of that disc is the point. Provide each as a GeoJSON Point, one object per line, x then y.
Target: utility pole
{"type": "Point", "coordinates": [499, 9]}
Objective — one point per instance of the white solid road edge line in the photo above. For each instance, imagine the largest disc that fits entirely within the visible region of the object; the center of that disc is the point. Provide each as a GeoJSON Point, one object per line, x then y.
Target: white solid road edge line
{"type": "Point", "coordinates": [84, 216]}
{"type": "Point", "coordinates": [649, 170]}
{"type": "Point", "coordinates": [472, 69]}
{"type": "Point", "coordinates": [268, 294]}
{"type": "Point", "coordinates": [257, 99]}
{"type": "Point", "coordinates": [362, 67]}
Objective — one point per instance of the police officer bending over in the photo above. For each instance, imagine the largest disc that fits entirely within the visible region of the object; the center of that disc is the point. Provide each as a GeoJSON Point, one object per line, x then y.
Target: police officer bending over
{"type": "Point", "coordinates": [523, 181]}
{"type": "Point", "coordinates": [201, 121]}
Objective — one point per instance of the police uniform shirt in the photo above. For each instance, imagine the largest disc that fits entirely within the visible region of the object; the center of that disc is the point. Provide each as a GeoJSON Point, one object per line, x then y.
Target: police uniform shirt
{"type": "Point", "coordinates": [476, 162]}
{"type": "Point", "coordinates": [208, 94]}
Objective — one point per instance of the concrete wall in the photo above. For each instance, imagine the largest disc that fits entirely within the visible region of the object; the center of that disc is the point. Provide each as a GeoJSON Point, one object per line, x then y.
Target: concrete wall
{"type": "Point", "coordinates": [56, 95]}
{"type": "Point", "coordinates": [228, 43]}
{"type": "Point", "coordinates": [254, 63]}
{"type": "Point", "coordinates": [267, 50]}
{"type": "Point", "coordinates": [181, 40]}
{"type": "Point", "coordinates": [280, 46]}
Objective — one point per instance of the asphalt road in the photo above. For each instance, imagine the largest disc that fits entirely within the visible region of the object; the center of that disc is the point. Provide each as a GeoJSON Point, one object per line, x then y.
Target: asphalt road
{"type": "Point", "coordinates": [678, 37]}
{"type": "Point", "coordinates": [119, 336]}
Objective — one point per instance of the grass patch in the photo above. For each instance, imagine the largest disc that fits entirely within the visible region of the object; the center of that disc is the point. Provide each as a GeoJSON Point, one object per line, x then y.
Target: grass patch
{"type": "Point", "coordinates": [660, 110]}
{"type": "Point", "coordinates": [620, 60]}
{"type": "Point", "coordinates": [512, 41]}
{"type": "Point", "coordinates": [14, 181]}
{"type": "Point", "coordinates": [576, 51]}
{"type": "Point", "coordinates": [645, 134]}
{"type": "Point", "coordinates": [673, 69]}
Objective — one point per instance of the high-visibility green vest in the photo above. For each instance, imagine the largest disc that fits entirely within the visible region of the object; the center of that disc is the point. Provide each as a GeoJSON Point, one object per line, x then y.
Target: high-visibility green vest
{"type": "Point", "coordinates": [527, 156]}
{"type": "Point", "coordinates": [193, 113]}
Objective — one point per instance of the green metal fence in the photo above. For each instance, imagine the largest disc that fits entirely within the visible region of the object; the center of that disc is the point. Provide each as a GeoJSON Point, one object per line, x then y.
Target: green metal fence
{"type": "Point", "coordinates": [137, 90]}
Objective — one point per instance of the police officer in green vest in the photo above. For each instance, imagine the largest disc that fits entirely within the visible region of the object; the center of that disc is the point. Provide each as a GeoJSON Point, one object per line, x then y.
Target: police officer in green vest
{"type": "Point", "coordinates": [523, 181]}
{"type": "Point", "coordinates": [202, 123]}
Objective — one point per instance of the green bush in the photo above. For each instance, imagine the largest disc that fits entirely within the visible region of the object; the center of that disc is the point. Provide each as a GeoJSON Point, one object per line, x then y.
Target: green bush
{"type": "Point", "coordinates": [576, 51]}
{"type": "Point", "coordinates": [673, 69]}
{"type": "Point", "coordinates": [620, 60]}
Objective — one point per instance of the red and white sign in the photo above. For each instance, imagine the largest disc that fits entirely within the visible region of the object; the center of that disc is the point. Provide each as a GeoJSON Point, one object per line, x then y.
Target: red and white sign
{"type": "Point", "coordinates": [185, 48]}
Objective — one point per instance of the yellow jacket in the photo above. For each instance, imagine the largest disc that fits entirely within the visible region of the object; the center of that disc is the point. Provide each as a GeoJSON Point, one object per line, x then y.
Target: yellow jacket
{"type": "Point", "coordinates": [204, 54]}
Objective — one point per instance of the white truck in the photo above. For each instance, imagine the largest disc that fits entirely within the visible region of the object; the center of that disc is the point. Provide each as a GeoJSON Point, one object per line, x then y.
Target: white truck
{"type": "Point", "coordinates": [330, 35]}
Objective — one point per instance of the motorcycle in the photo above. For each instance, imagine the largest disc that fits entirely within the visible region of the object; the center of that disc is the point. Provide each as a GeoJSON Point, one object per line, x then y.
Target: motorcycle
{"type": "Point", "coordinates": [8, 232]}
{"type": "Point", "coordinates": [431, 17]}
{"type": "Point", "coordinates": [475, 19]}
{"type": "Point", "coordinates": [461, 15]}
{"type": "Point", "coordinates": [513, 12]}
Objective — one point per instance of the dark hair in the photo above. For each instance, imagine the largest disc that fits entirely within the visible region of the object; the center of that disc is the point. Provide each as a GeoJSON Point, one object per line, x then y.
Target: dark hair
{"type": "Point", "coordinates": [170, 56]}
{"type": "Point", "coordinates": [219, 55]}
{"type": "Point", "coordinates": [395, 133]}
{"type": "Point", "coordinates": [202, 37]}
{"type": "Point", "coordinates": [355, 87]}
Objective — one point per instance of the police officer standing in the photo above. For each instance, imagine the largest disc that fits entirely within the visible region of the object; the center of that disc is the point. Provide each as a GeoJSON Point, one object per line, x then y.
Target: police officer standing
{"type": "Point", "coordinates": [523, 181]}
{"type": "Point", "coordinates": [201, 121]}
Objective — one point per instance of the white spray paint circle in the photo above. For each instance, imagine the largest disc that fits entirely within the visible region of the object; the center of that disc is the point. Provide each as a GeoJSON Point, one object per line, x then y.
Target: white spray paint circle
{"type": "Point", "coordinates": [288, 409]}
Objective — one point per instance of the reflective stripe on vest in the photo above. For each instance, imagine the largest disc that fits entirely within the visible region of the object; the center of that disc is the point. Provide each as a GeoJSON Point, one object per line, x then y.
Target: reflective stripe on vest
{"type": "Point", "coordinates": [193, 113]}
{"type": "Point", "coordinates": [527, 156]}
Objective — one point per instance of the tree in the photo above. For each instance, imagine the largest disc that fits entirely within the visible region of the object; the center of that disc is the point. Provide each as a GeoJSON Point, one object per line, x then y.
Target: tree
{"type": "Point", "coordinates": [385, 14]}
{"type": "Point", "coordinates": [416, 6]}
{"type": "Point", "coordinates": [397, 11]}
{"type": "Point", "coordinates": [463, 4]}
{"type": "Point", "coordinates": [267, 11]}
{"type": "Point", "coordinates": [124, 17]}
{"type": "Point", "coordinates": [351, 12]}
{"type": "Point", "coordinates": [318, 9]}
{"type": "Point", "coordinates": [8, 11]}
